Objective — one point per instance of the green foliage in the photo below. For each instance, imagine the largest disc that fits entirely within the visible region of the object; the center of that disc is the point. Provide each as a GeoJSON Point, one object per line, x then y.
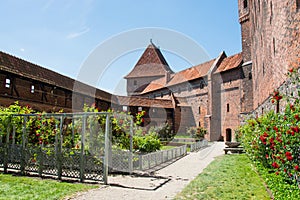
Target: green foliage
{"type": "Point", "coordinates": [196, 132]}
{"type": "Point", "coordinates": [272, 141]}
{"type": "Point", "coordinates": [164, 132]}
{"type": "Point", "coordinates": [227, 177]}
{"type": "Point", "coordinates": [147, 143]}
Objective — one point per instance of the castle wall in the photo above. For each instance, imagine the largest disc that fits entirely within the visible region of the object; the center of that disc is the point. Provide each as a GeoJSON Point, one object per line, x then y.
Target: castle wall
{"type": "Point", "coordinates": [275, 47]}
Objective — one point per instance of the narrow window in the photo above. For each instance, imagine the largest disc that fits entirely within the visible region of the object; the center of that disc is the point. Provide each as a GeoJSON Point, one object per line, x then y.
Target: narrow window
{"type": "Point", "coordinates": [274, 46]}
{"type": "Point", "coordinates": [7, 83]}
{"type": "Point", "coordinates": [250, 75]}
{"type": "Point", "coordinates": [32, 89]}
{"type": "Point", "coordinates": [228, 107]}
{"type": "Point", "coordinates": [245, 4]}
{"type": "Point", "coordinates": [134, 82]}
{"type": "Point", "coordinates": [125, 108]}
{"type": "Point", "coordinates": [201, 84]}
{"type": "Point", "coordinates": [199, 110]}
{"type": "Point", "coordinates": [199, 124]}
{"type": "Point", "coordinates": [179, 90]}
{"type": "Point", "coordinates": [161, 95]}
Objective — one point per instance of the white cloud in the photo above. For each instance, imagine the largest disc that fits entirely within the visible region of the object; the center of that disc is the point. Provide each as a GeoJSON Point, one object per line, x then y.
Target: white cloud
{"type": "Point", "coordinates": [22, 49]}
{"type": "Point", "coordinates": [78, 34]}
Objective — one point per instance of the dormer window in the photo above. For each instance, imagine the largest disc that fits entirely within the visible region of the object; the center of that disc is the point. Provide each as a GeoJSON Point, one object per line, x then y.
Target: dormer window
{"type": "Point", "coordinates": [7, 83]}
{"type": "Point", "coordinates": [134, 82]}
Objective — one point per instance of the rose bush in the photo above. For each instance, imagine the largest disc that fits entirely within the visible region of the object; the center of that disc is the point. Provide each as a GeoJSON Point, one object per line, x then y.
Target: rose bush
{"type": "Point", "coordinates": [273, 139]}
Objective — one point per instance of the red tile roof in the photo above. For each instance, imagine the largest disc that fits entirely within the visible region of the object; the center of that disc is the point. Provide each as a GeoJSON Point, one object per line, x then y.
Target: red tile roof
{"type": "Point", "coordinates": [189, 74]}
{"type": "Point", "coordinates": [231, 62]}
{"type": "Point", "coordinates": [143, 102]}
{"type": "Point", "coordinates": [151, 63]}
{"type": "Point", "coordinates": [32, 71]}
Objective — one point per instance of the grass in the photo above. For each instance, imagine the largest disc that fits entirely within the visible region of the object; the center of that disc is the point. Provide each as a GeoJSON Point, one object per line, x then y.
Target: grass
{"type": "Point", "coordinates": [227, 177]}
{"type": "Point", "coordinates": [16, 187]}
{"type": "Point", "coordinates": [167, 147]}
{"type": "Point", "coordinates": [182, 136]}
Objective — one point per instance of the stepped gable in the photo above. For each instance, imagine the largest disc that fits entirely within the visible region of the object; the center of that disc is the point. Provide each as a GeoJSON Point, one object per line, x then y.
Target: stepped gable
{"type": "Point", "coordinates": [151, 63]}
{"type": "Point", "coordinates": [231, 62]}
{"type": "Point", "coordinates": [143, 102]}
{"type": "Point", "coordinates": [32, 71]}
{"type": "Point", "coordinates": [189, 74]}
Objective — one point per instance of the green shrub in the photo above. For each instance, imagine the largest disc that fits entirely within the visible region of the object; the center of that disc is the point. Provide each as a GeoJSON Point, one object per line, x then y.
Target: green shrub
{"type": "Point", "coordinates": [196, 132]}
{"type": "Point", "coordinates": [272, 141]}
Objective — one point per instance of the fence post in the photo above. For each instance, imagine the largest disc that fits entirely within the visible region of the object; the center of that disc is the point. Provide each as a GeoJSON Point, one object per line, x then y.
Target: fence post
{"type": "Point", "coordinates": [23, 146]}
{"type": "Point", "coordinates": [141, 162]}
{"type": "Point", "coordinates": [131, 147]}
{"type": "Point", "coordinates": [5, 161]}
{"type": "Point", "coordinates": [82, 166]}
{"type": "Point", "coordinates": [106, 149]}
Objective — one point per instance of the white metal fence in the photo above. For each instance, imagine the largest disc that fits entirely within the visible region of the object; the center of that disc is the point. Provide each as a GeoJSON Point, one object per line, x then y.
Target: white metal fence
{"type": "Point", "coordinates": [198, 145]}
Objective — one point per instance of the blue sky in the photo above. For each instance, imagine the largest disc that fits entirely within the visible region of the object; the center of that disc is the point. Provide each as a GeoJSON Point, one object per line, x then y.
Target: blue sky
{"type": "Point", "coordinates": [60, 35]}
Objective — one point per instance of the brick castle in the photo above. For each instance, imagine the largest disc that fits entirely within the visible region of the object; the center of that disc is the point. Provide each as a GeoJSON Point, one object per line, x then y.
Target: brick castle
{"type": "Point", "coordinates": [216, 95]}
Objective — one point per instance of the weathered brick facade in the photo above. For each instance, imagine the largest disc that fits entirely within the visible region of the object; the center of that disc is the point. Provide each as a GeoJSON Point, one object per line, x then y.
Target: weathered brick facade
{"type": "Point", "coordinates": [216, 95]}
{"type": "Point", "coordinates": [274, 41]}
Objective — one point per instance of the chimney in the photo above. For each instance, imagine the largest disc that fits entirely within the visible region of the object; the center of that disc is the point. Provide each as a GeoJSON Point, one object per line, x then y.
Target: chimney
{"type": "Point", "coordinates": [167, 76]}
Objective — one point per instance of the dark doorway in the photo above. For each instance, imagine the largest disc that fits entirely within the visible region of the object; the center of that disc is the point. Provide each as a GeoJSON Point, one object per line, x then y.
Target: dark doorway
{"type": "Point", "coordinates": [228, 135]}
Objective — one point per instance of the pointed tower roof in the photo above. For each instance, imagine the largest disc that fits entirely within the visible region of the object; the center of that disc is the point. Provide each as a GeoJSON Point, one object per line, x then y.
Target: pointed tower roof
{"type": "Point", "coordinates": [151, 63]}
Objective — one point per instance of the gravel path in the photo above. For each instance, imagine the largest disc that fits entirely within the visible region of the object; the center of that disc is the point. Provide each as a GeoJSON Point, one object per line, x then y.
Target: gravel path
{"type": "Point", "coordinates": [176, 177]}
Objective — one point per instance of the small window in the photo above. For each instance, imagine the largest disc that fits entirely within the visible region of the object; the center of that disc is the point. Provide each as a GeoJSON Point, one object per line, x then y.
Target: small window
{"type": "Point", "coordinates": [245, 4]}
{"type": "Point", "coordinates": [32, 89]}
{"type": "Point", "coordinates": [199, 110]}
{"type": "Point", "coordinates": [134, 82]}
{"type": "Point", "coordinates": [250, 75]}
{"type": "Point", "coordinates": [161, 95]}
{"type": "Point", "coordinates": [140, 109]}
{"type": "Point", "coordinates": [228, 107]}
{"type": "Point", "coordinates": [179, 90]}
{"type": "Point", "coordinates": [7, 83]}
{"type": "Point", "coordinates": [125, 108]}
{"type": "Point", "coordinates": [202, 84]}
{"type": "Point", "coordinates": [199, 124]}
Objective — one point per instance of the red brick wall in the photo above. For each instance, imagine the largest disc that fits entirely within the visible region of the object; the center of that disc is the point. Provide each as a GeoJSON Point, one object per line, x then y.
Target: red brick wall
{"type": "Point", "coordinates": [275, 46]}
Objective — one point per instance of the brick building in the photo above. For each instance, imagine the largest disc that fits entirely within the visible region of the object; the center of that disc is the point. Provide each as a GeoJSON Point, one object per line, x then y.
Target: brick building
{"type": "Point", "coordinates": [271, 40]}
{"type": "Point", "coordinates": [216, 94]}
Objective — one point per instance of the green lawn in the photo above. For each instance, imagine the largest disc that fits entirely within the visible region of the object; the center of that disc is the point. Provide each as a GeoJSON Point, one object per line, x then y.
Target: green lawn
{"type": "Point", "coordinates": [228, 177]}
{"type": "Point", "coordinates": [16, 187]}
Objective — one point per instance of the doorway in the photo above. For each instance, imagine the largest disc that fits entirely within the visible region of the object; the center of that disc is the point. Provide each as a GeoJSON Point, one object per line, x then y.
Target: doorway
{"type": "Point", "coordinates": [228, 135]}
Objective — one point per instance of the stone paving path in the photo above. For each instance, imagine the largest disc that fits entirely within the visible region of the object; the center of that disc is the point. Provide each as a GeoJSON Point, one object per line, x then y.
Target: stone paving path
{"type": "Point", "coordinates": [176, 177]}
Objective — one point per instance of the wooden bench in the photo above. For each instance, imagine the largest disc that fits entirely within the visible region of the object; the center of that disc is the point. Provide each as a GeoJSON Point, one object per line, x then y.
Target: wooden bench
{"type": "Point", "coordinates": [234, 150]}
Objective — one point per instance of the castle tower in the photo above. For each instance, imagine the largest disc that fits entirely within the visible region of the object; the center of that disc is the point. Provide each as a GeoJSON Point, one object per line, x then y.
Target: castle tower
{"type": "Point", "coordinates": [244, 18]}
{"type": "Point", "coordinates": [151, 66]}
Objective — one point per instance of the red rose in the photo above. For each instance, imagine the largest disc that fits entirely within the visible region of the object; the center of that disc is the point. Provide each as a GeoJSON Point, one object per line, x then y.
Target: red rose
{"type": "Point", "coordinates": [297, 117]}
{"type": "Point", "coordinates": [272, 101]}
{"type": "Point", "coordinates": [296, 168]}
{"type": "Point", "coordinates": [291, 70]}
{"type": "Point", "coordinates": [275, 165]}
